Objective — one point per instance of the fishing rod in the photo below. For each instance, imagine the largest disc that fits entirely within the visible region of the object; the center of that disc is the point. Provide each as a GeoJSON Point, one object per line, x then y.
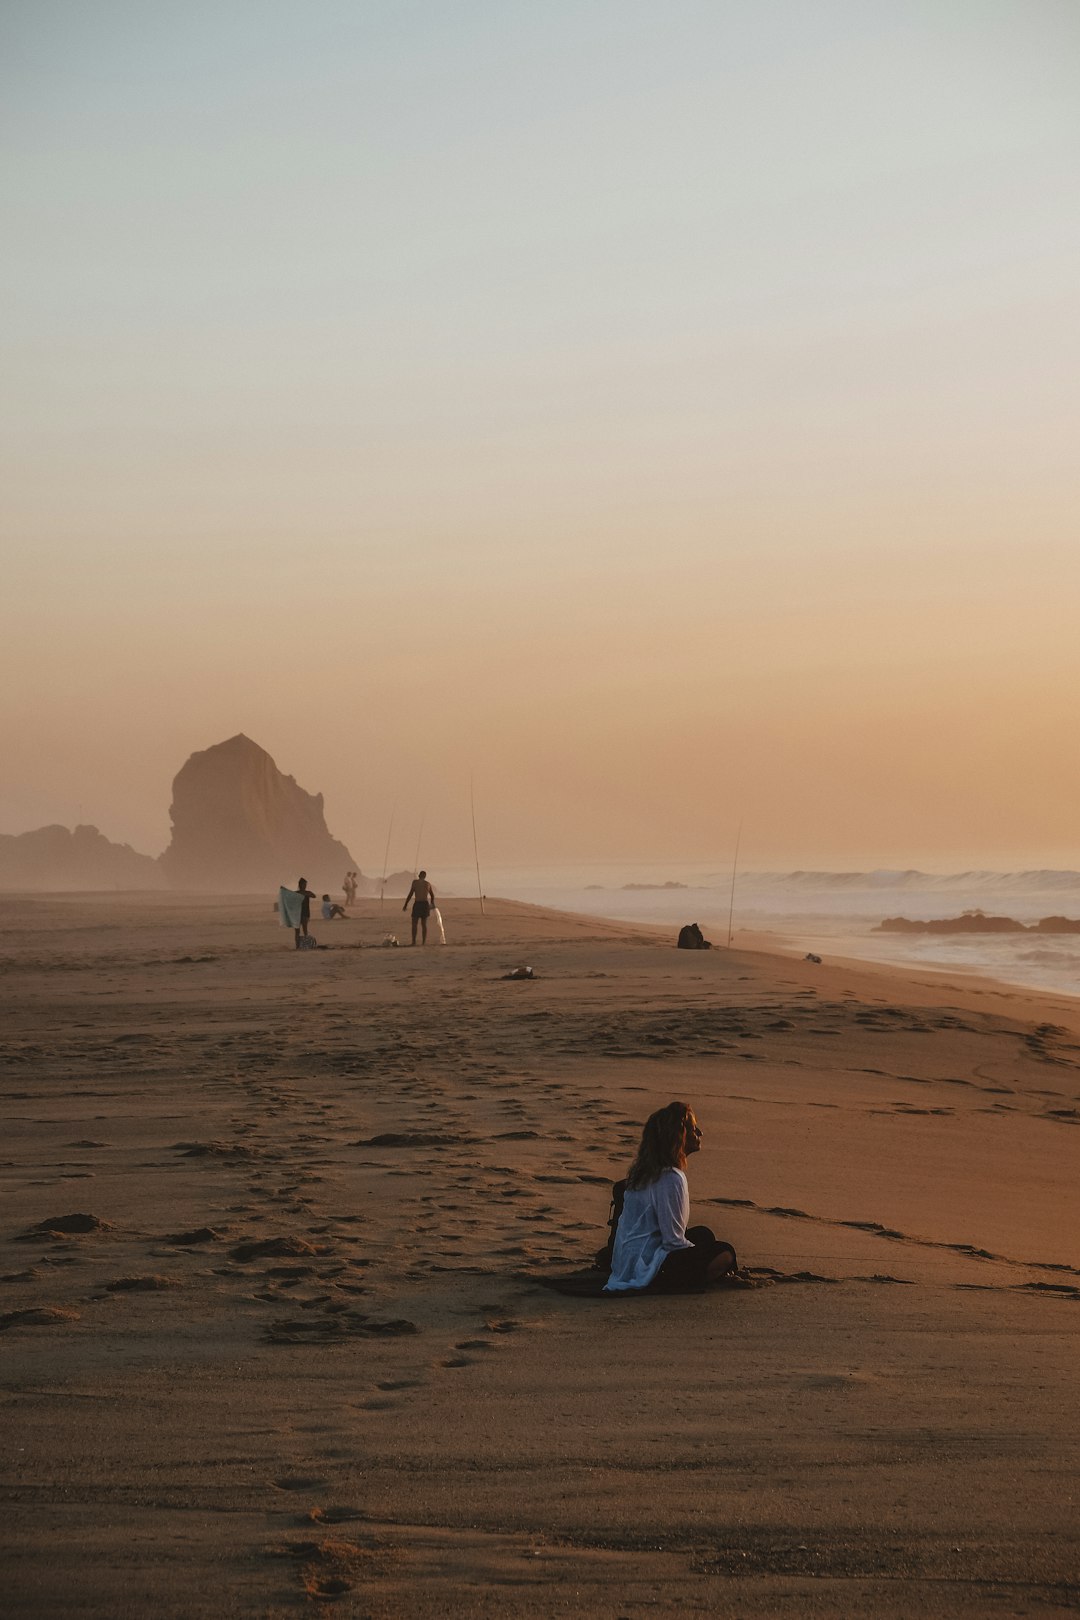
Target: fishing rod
{"type": "Point", "coordinates": [386, 854]}
{"type": "Point", "coordinates": [734, 869]}
{"type": "Point", "coordinates": [419, 837]}
{"type": "Point", "coordinates": [476, 852]}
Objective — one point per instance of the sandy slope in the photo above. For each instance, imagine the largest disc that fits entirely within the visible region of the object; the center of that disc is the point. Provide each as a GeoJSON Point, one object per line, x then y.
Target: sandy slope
{"type": "Point", "coordinates": [378, 1412]}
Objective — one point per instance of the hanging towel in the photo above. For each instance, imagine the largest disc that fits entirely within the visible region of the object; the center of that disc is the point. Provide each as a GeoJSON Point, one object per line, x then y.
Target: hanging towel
{"type": "Point", "coordinates": [437, 915]}
{"type": "Point", "coordinates": [290, 903]}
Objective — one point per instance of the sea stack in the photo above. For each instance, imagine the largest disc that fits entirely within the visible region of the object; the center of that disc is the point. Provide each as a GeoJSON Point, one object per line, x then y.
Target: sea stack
{"type": "Point", "coordinates": [240, 825]}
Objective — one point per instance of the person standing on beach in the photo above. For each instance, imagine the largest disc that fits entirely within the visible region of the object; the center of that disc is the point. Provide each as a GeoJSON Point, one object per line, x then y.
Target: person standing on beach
{"type": "Point", "coordinates": [306, 897]}
{"type": "Point", "coordinates": [422, 895]}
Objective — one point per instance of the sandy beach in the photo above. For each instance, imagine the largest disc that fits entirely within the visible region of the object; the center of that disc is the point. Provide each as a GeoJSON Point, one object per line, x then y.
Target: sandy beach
{"type": "Point", "coordinates": [272, 1336]}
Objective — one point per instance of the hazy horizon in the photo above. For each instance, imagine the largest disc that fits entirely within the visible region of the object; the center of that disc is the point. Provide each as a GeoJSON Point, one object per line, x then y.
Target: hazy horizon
{"type": "Point", "coordinates": [664, 416]}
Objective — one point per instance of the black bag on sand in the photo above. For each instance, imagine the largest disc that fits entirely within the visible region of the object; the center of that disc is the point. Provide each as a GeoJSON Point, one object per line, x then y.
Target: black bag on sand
{"type": "Point", "coordinates": [602, 1261]}
{"type": "Point", "coordinates": [692, 939]}
{"type": "Point", "coordinates": [589, 1283]}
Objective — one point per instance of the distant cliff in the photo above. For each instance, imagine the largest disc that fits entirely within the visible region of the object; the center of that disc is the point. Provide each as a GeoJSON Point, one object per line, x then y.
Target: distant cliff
{"type": "Point", "coordinates": [57, 858]}
{"type": "Point", "coordinates": [239, 824]}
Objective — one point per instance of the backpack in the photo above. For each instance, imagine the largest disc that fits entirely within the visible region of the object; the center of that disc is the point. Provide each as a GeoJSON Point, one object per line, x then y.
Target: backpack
{"type": "Point", "coordinates": [691, 938]}
{"type": "Point", "coordinates": [602, 1258]}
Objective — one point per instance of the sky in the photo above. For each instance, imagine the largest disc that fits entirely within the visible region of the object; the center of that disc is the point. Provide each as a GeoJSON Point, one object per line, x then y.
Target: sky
{"type": "Point", "coordinates": [663, 415]}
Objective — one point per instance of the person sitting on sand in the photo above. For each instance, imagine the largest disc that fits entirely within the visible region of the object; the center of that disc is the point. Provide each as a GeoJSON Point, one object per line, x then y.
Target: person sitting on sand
{"type": "Point", "coordinates": [330, 910]}
{"type": "Point", "coordinates": [653, 1249]}
{"type": "Point", "coordinates": [422, 895]}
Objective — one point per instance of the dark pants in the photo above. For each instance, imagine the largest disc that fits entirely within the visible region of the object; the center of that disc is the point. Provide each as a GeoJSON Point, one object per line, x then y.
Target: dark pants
{"type": "Point", "coordinates": [684, 1270]}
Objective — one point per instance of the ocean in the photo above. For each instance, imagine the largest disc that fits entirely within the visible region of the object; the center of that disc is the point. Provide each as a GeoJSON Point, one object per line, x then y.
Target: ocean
{"type": "Point", "coordinates": [830, 913]}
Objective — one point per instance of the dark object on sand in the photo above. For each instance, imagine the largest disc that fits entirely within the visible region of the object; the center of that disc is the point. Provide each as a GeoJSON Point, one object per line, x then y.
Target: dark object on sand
{"type": "Point", "coordinates": [403, 1139]}
{"type": "Point", "coordinates": [692, 939]}
{"type": "Point", "coordinates": [262, 1248]}
{"type": "Point", "coordinates": [520, 973]}
{"type": "Point", "coordinates": [150, 1284]}
{"type": "Point", "coordinates": [810, 957]}
{"type": "Point", "coordinates": [38, 1316]}
{"type": "Point", "coordinates": [71, 1223]}
{"type": "Point", "coordinates": [198, 1234]}
{"type": "Point", "coordinates": [334, 1329]}
{"type": "Point", "coordinates": [602, 1262]}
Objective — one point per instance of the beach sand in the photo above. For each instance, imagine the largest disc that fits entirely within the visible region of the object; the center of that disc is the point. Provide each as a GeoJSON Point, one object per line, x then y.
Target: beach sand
{"type": "Point", "coordinates": [297, 1360]}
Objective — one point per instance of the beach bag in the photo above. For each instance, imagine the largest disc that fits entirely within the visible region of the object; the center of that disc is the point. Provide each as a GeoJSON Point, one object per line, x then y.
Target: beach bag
{"type": "Point", "coordinates": [602, 1260]}
{"type": "Point", "coordinates": [691, 938]}
{"type": "Point", "coordinates": [307, 942]}
{"type": "Point", "coordinates": [436, 917]}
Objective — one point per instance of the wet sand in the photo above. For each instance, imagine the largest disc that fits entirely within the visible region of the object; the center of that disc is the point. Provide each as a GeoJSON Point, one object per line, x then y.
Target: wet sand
{"type": "Point", "coordinates": [294, 1357]}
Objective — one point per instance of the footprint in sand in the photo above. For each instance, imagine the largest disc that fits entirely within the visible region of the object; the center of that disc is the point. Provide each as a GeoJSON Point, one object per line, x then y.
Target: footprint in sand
{"type": "Point", "coordinates": [38, 1316]}
{"type": "Point", "coordinates": [335, 1515]}
{"type": "Point", "coordinates": [328, 1568]}
{"type": "Point", "coordinates": [63, 1225]}
{"type": "Point", "coordinates": [150, 1284]}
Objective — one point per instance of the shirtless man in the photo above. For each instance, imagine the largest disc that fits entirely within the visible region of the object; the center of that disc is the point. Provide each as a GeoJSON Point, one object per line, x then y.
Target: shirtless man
{"type": "Point", "coordinates": [422, 896]}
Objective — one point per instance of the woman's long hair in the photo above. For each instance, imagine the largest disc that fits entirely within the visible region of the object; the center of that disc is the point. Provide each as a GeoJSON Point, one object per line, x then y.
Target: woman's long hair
{"type": "Point", "coordinates": [663, 1144]}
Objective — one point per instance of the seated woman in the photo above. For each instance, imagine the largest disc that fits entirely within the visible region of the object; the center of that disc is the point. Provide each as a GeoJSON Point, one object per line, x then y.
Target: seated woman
{"type": "Point", "coordinates": [653, 1249]}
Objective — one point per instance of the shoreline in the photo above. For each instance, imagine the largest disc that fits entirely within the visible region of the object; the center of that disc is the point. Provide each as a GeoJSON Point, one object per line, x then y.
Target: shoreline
{"type": "Point", "coordinates": [764, 942]}
{"type": "Point", "coordinates": [956, 981]}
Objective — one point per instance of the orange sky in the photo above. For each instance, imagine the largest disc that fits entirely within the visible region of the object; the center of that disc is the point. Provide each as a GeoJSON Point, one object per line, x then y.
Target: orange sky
{"type": "Point", "coordinates": [667, 416]}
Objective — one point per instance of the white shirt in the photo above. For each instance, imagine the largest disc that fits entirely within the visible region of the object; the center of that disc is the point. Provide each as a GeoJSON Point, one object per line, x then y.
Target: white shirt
{"type": "Point", "coordinates": [652, 1226]}
{"type": "Point", "coordinates": [328, 910]}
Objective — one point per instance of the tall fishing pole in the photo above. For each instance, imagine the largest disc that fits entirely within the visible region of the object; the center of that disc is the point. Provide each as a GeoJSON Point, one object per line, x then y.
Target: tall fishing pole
{"type": "Point", "coordinates": [419, 838]}
{"type": "Point", "coordinates": [734, 869]}
{"type": "Point", "coordinates": [386, 854]}
{"type": "Point", "coordinates": [476, 851]}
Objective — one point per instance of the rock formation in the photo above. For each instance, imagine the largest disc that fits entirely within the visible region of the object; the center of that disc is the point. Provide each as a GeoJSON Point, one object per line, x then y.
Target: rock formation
{"type": "Point", "coordinates": [56, 858]}
{"type": "Point", "coordinates": [240, 825]}
{"type": "Point", "coordinates": [977, 922]}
